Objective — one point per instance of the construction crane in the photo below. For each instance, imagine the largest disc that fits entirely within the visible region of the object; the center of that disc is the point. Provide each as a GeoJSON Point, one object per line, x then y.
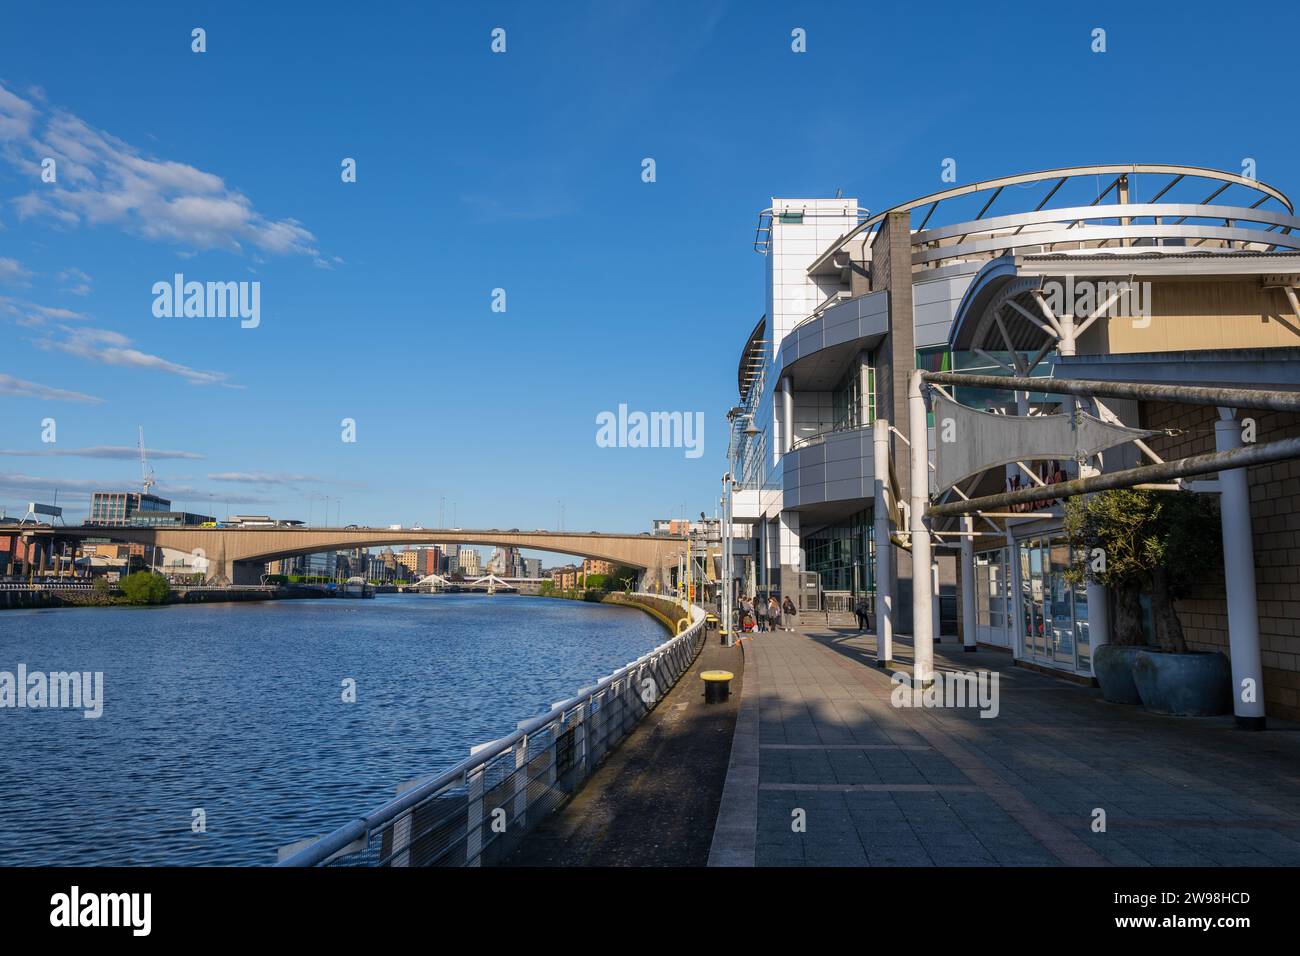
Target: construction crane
{"type": "Point", "coordinates": [146, 475]}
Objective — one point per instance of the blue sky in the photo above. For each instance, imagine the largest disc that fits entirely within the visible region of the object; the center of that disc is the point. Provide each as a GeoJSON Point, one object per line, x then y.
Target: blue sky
{"type": "Point", "coordinates": [519, 171]}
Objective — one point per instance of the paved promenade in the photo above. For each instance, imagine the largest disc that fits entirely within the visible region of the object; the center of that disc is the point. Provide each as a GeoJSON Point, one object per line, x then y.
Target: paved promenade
{"type": "Point", "coordinates": [817, 739]}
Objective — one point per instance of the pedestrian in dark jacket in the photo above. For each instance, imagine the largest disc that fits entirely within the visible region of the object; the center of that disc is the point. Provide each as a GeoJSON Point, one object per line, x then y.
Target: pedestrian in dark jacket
{"type": "Point", "coordinates": [791, 612]}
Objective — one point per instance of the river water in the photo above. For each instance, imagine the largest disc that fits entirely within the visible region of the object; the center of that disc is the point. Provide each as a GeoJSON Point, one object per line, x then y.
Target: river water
{"type": "Point", "coordinates": [237, 710]}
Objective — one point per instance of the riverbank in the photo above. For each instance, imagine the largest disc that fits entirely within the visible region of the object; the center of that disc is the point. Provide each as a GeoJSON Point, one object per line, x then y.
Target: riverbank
{"type": "Point", "coordinates": [664, 610]}
{"type": "Point", "coordinates": [34, 598]}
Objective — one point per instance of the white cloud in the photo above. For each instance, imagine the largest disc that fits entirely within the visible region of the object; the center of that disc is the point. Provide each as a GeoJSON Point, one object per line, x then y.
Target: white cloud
{"type": "Point", "coordinates": [25, 389]}
{"type": "Point", "coordinates": [262, 477]}
{"type": "Point", "coordinates": [114, 348]}
{"type": "Point", "coordinates": [76, 281]}
{"type": "Point", "coordinates": [103, 180]}
{"type": "Point", "coordinates": [12, 272]}
{"type": "Point", "coordinates": [116, 452]}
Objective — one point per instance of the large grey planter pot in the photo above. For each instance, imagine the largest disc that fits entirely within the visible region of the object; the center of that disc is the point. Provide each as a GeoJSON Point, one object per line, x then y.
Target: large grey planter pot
{"type": "Point", "coordinates": [1113, 666]}
{"type": "Point", "coordinates": [1185, 685]}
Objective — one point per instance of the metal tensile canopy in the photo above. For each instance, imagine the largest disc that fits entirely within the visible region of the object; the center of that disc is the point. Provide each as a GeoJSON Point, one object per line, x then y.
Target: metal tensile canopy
{"type": "Point", "coordinates": [969, 441]}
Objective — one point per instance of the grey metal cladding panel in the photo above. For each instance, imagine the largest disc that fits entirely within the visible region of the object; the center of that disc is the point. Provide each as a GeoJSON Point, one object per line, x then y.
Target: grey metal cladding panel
{"type": "Point", "coordinates": [941, 290]}
{"type": "Point", "coordinates": [845, 332]}
{"type": "Point", "coordinates": [814, 494]}
{"type": "Point", "coordinates": [809, 455]}
{"type": "Point", "coordinates": [812, 475]}
{"type": "Point", "coordinates": [809, 338]}
{"type": "Point", "coordinates": [841, 470]}
{"type": "Point", "coordinates": [931, 333]}
{"type": "Point", "coordinates": [855, 444]}
{"type": "Point", "coordinates": [846, 490]}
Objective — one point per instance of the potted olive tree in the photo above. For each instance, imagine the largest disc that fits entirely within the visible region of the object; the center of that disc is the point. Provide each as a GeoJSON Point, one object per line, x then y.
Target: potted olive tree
{"type": "Point", "coordinates": [1154, 543]}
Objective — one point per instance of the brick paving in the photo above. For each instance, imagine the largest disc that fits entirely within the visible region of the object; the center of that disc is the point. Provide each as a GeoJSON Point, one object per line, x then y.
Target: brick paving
{"type": "Point", "coordinates": [887, 786]}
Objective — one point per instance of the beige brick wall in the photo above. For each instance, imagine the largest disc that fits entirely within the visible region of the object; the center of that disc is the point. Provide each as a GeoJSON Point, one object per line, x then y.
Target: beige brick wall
{"type": "Point", "coordinates": [1275, 522]}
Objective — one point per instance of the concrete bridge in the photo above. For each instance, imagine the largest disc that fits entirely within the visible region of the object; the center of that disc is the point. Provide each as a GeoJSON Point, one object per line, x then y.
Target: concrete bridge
{"type": "Point", "coordinates": [237, 555]}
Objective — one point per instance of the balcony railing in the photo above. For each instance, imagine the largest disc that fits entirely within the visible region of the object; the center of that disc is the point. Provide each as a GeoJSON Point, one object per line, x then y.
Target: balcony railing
{"type": "Point", "coordinates": [820, 437]}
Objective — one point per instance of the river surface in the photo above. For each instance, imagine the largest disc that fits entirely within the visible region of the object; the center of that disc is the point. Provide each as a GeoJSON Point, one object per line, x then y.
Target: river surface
{"type": "Point", "coordinates": [237, 710]}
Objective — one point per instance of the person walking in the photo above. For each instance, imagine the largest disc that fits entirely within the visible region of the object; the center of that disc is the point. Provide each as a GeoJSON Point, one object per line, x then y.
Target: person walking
{"type": "Point", "coordinates": [860, 609]}
{"type": "Point", "coordinates": [791, 612]}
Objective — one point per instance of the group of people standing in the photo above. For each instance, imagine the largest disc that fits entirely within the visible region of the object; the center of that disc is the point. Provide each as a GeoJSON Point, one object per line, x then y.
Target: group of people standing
{"type": "Point", "coordinates": [769, 615]}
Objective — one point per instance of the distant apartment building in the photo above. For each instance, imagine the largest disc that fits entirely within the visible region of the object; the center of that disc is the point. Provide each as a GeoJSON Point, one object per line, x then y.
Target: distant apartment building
{"type": "Point", "coordinates": [421, 562]}
{"type": "Point", "coordinates": [565, 578]}
{"type": "Point", "coordinates": [532, 567]}
{"type": "Point", "coordinates": [596, 566]}
{"type": "Point", "coordinates": [133, 509]}
{"type": "Point", "coordinates": [469, 562]}
{"type": "Point", "coordinates": [322, 564]}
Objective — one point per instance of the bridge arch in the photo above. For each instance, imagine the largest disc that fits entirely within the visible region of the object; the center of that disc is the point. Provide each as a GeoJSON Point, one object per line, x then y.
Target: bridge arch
{"type": "Point", "coordinates": [236, 554]}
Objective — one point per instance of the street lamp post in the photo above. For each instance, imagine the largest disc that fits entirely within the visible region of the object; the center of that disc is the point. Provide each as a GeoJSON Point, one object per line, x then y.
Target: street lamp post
{"type": "Point", "coordinates": [725, 591]}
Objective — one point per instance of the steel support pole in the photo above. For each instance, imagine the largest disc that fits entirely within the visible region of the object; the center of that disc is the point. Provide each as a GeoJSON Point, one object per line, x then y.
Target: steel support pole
{"type": "Point", "coordinates": [725, 591]}
{"type": "Point", "coordinates": [1204, 464]}
{"type": "Point", "coordinates": [968, 583]}
{"type": "Point", "coordinates": [922, 607]}
{"type": "Point", "coordinates": [787, 416]}
{"type": "Point", "coordinates": [1239, 582]}
{"type": "Point", "coordinates": [936, 617]}
{"type": "Point", "coordinates": [1277, 401]}
{"type": "Point", "coordinates": [884, 546]}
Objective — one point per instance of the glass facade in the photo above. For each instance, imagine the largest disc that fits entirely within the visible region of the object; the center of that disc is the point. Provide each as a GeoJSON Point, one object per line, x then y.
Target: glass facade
{"type": "Point", "coordinates": [843, 554]}
{"type": "Point", "coordinates": [121, 507]}
{"type": "Point", "coordinates": [846, 398]}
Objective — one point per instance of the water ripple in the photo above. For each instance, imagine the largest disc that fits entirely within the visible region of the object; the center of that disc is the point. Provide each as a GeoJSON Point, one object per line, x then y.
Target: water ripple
{"type": "Point", "coordinates": [238, 709]}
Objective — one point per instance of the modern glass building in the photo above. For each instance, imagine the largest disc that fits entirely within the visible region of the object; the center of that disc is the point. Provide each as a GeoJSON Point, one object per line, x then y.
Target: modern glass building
{"type": "Point", "coordinates": [123, 507]}
{"type": "Point", "coordinates": [1146, 272]}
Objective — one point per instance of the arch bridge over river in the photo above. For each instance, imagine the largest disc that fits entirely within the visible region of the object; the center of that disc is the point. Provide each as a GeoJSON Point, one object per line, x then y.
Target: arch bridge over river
{"type": "Point", "coordinates": [237, 555]}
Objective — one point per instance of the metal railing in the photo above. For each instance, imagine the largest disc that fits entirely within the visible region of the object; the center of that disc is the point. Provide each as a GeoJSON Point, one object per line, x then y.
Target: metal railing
{"type": "Point", "coordinates": [479, 810]}
{"type": "Point", "coordinates": [844, 602]}
{"type": "Point", "coordinates": [820, 437]}
{"type": "Point", "coordinates": [46, 586]}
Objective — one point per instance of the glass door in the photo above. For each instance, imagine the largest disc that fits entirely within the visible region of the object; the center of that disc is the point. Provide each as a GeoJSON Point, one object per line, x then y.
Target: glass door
{"type": "Point", "coordinates": [1059, 608]}
{"type": "Point", "coordinates": [1032, 637]}
{"type": "Point", "coordinates": [993, 598]}
{"type": "Point", "coordinates": [1053, 613]}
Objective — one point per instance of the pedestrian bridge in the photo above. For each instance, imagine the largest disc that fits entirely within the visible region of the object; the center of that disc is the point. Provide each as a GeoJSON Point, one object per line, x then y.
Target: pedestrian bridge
{"type": "Point", "coordinates": [236, 555]}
